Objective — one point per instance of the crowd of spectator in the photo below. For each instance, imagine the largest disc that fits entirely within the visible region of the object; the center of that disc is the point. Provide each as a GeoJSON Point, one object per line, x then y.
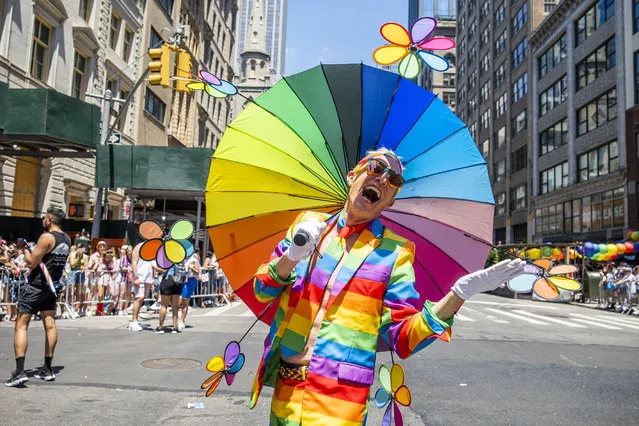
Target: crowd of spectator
{"type": "Point", "coordinates": [102, 283]}
{"type": "Point", "coordinates": [618, 288]}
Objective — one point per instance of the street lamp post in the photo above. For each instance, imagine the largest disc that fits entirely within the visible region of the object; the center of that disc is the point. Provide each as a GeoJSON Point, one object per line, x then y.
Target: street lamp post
{"type": "Point", "coordinates": [104, 131]}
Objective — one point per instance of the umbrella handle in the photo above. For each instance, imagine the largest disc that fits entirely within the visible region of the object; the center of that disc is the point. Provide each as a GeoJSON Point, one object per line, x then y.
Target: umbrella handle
{"type": "Point", "coordinates": [301, 240]}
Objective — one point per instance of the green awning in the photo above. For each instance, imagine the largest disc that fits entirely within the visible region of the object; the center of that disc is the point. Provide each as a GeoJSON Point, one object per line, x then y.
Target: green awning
{"type": "Point", "coordinates": [152, 168]}
{"type": "Point", "coordinates": [48, 119]}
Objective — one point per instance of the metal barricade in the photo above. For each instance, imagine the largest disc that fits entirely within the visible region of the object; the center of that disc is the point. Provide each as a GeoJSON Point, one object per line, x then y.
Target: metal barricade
{"type": "Point", "coordinates": [216, 287]}
{"type": "Point", "coordinates": [11, 286]}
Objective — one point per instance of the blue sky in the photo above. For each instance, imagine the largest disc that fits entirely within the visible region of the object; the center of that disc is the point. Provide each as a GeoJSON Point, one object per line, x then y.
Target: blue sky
{"type": "Point", "coordinates": [337, 31]}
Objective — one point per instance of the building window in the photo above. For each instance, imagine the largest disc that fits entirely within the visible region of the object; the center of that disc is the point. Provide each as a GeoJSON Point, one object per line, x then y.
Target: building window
{"type": "Point", "coordinates": [553, 56]}
{"type": "Point", "coordinates": [520, 19]}
{"type": "Point", "coordinates": [79, 75]}
{"type": "Point", "coordinates": [597, 113]}
{"type": "Point", "coordinates": [484, 93]}
{"type": "Point", "coordinates": [128, 43]}
{"type": "Point", "coordinates": [461, 94]}
{"type": "Point", "coordinates": [114, 31]}
{"type": "Point", "coordinates": [518, 159]}
{"type": "Point", "coordinates": [450, 58]}
{"type": "Point", "coordinates": [635, 22]}
{"type": "Point", "coordinates": [592, 19]}
{"type": "Point", "coordinates": [484, 120]}
{"type": "Point", "coordinates": [519, 123]}
{"type": "Point", "coordinates": [553, 137]}
{"type": "Point", "coordinates": [636, 71]}
{"type": "Point", "coordinates": [500, 204]}
{"type": "Point", "coordinates": [485, 36]}
{"type": "Point", "coordinates": [599, 61]}
{"type": "Point", "coordinates": [472, 55]}
{"type": "Point", "coordinates": [500, 75]}
{"type": "Point", "coordinates": [449, 79]}
{"type": "Point", "coordinates": [472, 105]}
{"type": "Point", "coordinates": [554, 96]}
{"type": "Point", "coordinates": [484, 11]}
{"type": "Point", "coordinates": [473, 129]}
{"type": "Point", "coordinates": [518, 197]}
{"type": "Point", "coordinates": [599, 161]}
{"type": "Point", "coordinates": [40, 50]}
{"type": "Point", "coordinates": [500, 105]}
{"type": "Point", "coordinates": [168, 6]}
{"type": "Point", "coordinates": [85, 9]}
{"type": "Point", "coordinates": [500, 170]}
{"type": "Point", "coordinates": [472, 29]}
{"type": "Point", "coordinates": [484, 65]}
{"type": "Point", "coordinates": [155, 40]}
{"type": "Point", "coordinates": [154, 106]}
{"type": "Point", "coordinates": [554, 178]}
{"type": "Point", "coordinates": [484, 147]}
{"type": "Point", "coordinates": [549, 5]}
{"type": "Point", "coordinates": [500, 14]}
{"type": "Point", "coordinates": [520, 88]}
{"type": "Point", "coordinates": [500, 43]}
{"type": "Point", "coordinates": [500, 137]}
{"type": "Point", "coordinates": [519, 54]}
{"type": "Point", "coordinates": [449, 99]}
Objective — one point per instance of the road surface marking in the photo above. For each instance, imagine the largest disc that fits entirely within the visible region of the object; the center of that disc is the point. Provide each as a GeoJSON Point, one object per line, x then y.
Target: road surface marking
{"type": "Point", "coordinates": [490, 317]}
{"type": "Point", "coordinates": [590, 321]}
{"type": "Point", "coordinates": [222, 309]}
{"type": "Point", "coordinates": [460, 317]}
{"type": "Point", "coordinates": [521, 317]}
{"type": "Point", "coordinates": [570, 361]}
{"type": "Point", "coordinates": [516, 305]}
{"type": "Point", "coordinates": [551, 319]}
{"type": "Point", "coordinates": [620, 322]}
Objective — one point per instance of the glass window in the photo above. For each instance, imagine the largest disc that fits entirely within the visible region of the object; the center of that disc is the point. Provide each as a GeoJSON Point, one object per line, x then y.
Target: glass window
{"type": "Point", "coordinates": [552, 56]}
{"type": "Point", "coordinates": [553, 96]}
{"type": "Point", "coordinates": [598, 162]}
{"type": "Point", "coordinates": [167, 5]}
{"type": "Point", "coordinates": [500, 203]}
{"type": "Point", "coordinates": [554, 178]}
{"type": "Point", "coordinates": [520, 88]}
{"type": "Point", "coordinates": [592, 19]}
{"type": "Point", "coordinates": [79, 73]}
{"type": "Point", "coordinates": [597, 113]}
{"type": "Point", "coordinates": [114, 31]}
{"type": "Point", "coordinates": [520, 52]}
{"type": "Point", "coordinates": [594, 65]}
{"type": "Point", "coordinates": [40, 50]}
{"type": "Point", "coordinates": [635, 16]}
{"type": "Point", "coordinates": [500, 137]}
{"type": "Point", "coordinates": [519, 123]}
{"type": "Point", "coordinates": [85, 9]}
{"type": "Point", "coordinates": [553, 137]}
{"type": "Point", "coordinates": [500, 170]}
{"type": "Point", "coordinates": [520, 19]}
{"type": "Point", "coordinates": [154, 105]}
{"type": "Point", "coordinates": [128, 43]}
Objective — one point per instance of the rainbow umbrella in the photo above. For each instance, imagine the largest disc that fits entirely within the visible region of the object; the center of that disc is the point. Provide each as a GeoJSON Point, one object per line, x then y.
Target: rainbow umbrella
{"type": "Point", "coordinates": [290, 150]}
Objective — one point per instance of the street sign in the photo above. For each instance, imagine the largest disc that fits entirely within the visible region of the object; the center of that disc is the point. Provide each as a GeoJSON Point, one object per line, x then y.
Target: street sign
{"type": "Point", "coordinates": [114, 138]}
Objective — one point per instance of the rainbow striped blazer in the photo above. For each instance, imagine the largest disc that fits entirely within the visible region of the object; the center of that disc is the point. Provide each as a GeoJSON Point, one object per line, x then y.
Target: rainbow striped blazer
{"type": "Point", "coordinates": [373, 296]}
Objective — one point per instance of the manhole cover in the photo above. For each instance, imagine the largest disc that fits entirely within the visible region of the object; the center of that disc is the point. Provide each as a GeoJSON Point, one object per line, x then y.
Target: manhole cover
{"type": "Point", "coordinates": [171, 363]}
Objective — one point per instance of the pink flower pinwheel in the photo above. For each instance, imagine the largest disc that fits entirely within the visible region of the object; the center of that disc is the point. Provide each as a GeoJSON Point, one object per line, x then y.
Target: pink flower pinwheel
{"type": "Point", "coordinates": [410, 48]}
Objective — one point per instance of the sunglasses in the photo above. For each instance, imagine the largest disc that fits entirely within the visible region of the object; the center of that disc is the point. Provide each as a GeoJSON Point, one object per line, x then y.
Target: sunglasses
{"type": "Point", "coordinates": [378, 168]}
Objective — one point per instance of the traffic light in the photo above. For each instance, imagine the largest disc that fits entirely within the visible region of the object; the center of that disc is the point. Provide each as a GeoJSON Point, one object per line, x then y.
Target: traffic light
{"type": "Point", "coordinates": [160, 66]}
{"type": "Point", "coordinates": [184, 69]}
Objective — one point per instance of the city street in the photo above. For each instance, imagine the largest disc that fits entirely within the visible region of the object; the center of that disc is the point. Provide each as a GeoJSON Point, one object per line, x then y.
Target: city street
{"type": "Point", "coordinates": [510, 362]}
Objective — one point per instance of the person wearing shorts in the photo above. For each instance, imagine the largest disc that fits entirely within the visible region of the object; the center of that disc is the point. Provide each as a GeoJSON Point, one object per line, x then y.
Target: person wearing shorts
{"type": "Point", "coordinates": [46, 263]}
{"type": "Point", "coordinates": [192, 272]}
{"type": "Point", "coordinates": [143, 282]}
{"type": "Point", "coordinates": [170, 292]}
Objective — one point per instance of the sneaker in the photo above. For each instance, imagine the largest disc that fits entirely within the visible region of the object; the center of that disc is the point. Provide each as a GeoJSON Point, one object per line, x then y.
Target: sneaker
{"type": "Point", "coordinates": [121, 313]}
{"type": "Point", "coordinates": [159, 330]}
{"type": "Point", "coordinates": [17, 379]}
{"type": "Point", "coordinates": [45, 374]}
{"type": "Point", "coordinates": [155, 307]}
{"type": "Point", "coordinates": [180, 326]}
{"type": "Point", "coordinates": [135, 326]}
{"type": "Point", "coordinates": [174, 331]}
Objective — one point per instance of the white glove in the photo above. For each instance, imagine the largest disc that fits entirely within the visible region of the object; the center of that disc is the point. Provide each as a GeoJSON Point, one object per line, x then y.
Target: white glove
{"type": "Point", "coordinates": [310, 232]}
{"type": "Point", "coordinates": [488, 279]}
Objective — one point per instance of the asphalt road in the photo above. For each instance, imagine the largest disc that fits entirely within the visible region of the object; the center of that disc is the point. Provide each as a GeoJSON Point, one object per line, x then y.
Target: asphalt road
{"type": "Point", "coordinates": [510, 362]}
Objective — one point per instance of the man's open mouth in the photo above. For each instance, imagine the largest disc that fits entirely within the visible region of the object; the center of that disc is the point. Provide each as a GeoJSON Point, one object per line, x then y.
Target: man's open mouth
{"type": "Point", "coordinates": [371, 193]}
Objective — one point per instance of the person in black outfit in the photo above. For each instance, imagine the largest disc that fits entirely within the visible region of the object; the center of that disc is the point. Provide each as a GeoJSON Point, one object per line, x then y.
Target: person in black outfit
{"type": "Point", "coordinates": [51, 250]}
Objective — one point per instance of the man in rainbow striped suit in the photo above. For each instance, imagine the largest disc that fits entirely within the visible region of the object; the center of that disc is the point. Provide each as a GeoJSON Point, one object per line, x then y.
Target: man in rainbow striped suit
{"type": "Point", "coordinates": [343, 281]}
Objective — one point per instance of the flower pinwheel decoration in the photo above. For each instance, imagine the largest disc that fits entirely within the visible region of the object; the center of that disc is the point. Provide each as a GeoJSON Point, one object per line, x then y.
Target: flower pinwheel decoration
{"type": "Point", "coordinates": [410, 48]}
{"type": "Point", "coordinates": [213, 86]}
{"type": "Point", "coordinates": [226, 366]}
{"type": "Point", "coordinates": [166, 248]}
{"type": "Point", "coordinates": [544, 279]}
{"type": "Point", "coordinates": [393, 391]}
